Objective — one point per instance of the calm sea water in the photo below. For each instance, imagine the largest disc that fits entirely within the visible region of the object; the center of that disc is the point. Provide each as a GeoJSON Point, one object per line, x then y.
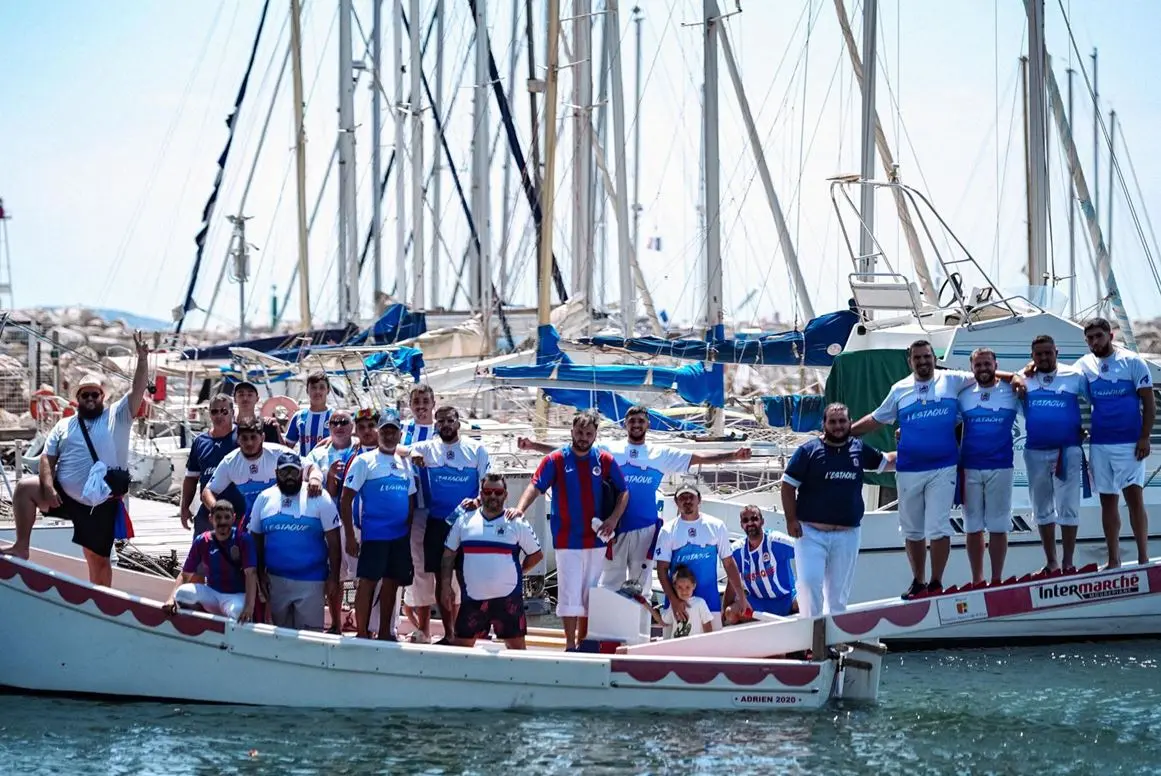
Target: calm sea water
{"type": "Point", "coordinates": [1087, 709]}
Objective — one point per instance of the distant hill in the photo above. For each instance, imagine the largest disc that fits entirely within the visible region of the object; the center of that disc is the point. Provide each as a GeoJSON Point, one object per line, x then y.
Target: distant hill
{"type": "Point", "coordinates": [132, 320]}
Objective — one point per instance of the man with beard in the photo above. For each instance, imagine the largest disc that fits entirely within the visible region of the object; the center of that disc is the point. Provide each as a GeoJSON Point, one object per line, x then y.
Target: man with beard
{"type": "Point", "coordinates": [325, 467]}
{"type": "Point", "coordinates": [989, 410]}
{"type": "Point", "coordinates": [925, 404]}
{"type": "Point", "coordinates": [765, 562]}
{"type": "Point", "coordinates": [419, 596]}
{"type": "Point", "coordinates": [644, 464]}
{"type": "Point", "coordinates": [96, 434]}
{"type": "Point", "coordinates": [822, 499]}
{"type": "Point", "coordinates": [489, 548]}
{"type": "Point", "coordinates": [205, 453]}
{"type": "Point", "coordinates": [385, 482]}
{"type": "Point", "coordinates": [226, 559]}
{"type": "Point", "coordinates": [1052, 453]}
{"type": "Point", "coordinates": [451, 470]}
{"type": "Point", "coordinates": [699, 543]}
{"type": "Point", "coordinates": [250, 469]}
{"type": "Point", "coordinates": [579, 476]}
{"type": "Point", "coordinates": [1123, 409]}
{"type": "Point", "coordinates": [246, 408]}
{"type": "Point", "coordinates": [296, 536]}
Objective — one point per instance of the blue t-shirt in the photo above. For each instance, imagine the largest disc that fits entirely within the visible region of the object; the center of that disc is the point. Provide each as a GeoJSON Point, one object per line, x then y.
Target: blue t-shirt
{"type": "Point", "coordinates": [768, 572]}
{"type": "Point", "coordinates": [578, 492]}
{"type": "Point", "coordinates": [927, 412]}
{"type": "Point", "coordinates": [295, 528]}
{"type": "Point", "coordinates": [699, 545]}
{"type": "Point", "coordinates": [1113, 383]}
{"type": "Point", "coordinates": [205, 453]}
{"type": "Point", "coordinates": [644, 467]}
{"type": "Point", "coordinates": [308, 428]}
{"type": "Point", "coordinates": [1052, 409]}
{"type": "Point", "coordinates": [453, 473]}
{"type": "Point", "coordinates": [385, 484]}
{"type": "Point", "coordinates": [988, 416]}
{"type": "Point", "coordinates": [829, 480]}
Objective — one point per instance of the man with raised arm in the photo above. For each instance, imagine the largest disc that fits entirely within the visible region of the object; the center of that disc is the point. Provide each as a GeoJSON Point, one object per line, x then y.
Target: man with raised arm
{"type": "Point", "coordinates": [925, 404]}
{"type": "Point", "coordinates": [95, 434]}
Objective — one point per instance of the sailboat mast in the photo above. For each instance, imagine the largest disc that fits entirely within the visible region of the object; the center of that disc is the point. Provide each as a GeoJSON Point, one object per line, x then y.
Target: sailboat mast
{"type": "Point", "coordinates": [436, 163]}
{"type": "Point", "coordinates": [1112, 168]}
{"type": "Point", "coordinates": [348, 228]}
{"type": "Point", "coordinates": [620, 203]}
{"type": "Point", "coordinates": [867, 155]}
{"type": "Point", "coordinates": [1037, 139]}
{"type": "Point", "coordinates": [547, 194]}
{"type": "Point", "coordinates": [400, 178]}
{"type": "Point", "coordinates": [1071, 216]}
{"type": "Point", "coordinates": [582, 152]}
{"type": "Point", "coordinates": [638, 20]}
{"type": "Point", "coordinates": [714, 319]}
{"type": "Point", "coordinates": [300, 164]}
{"type": "Point", "coordinates": [481, 183]}
{"type": "Point", "coordinates": [417, 173]}
{"type": "Point", "coordinates": [376, 153]}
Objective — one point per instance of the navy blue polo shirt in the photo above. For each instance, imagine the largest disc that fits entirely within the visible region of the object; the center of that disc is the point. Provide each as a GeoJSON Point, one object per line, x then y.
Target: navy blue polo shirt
{"type": "Point", "coordinates": [829, 480]}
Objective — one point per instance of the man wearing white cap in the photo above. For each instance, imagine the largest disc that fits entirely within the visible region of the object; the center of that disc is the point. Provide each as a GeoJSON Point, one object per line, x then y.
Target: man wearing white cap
{"type": "Point", "coordinates": [95, 435]}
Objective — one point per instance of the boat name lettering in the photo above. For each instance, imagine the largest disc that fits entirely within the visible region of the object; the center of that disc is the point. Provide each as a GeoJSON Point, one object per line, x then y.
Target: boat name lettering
{"type": "Point", "coordinates": [765, 700]}
{"type": "Point", "coordinates": [1063, 593]}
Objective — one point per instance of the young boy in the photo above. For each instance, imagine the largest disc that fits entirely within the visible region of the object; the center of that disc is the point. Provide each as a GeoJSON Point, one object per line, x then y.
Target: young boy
{"type": "Point", "coordinates": [698, 618]}
{"type": "Point", "coordinates": [310, 426]}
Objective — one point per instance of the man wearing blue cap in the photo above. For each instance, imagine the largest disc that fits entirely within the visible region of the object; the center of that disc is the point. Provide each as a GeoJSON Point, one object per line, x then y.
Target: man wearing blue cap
{"type": "Point", "coordinates": [296, 536]}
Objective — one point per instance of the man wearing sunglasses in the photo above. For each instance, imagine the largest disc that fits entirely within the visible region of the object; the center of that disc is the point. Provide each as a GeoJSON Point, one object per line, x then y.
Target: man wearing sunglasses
{"type": "Point", "coordinates": [70, 453]}
{"type": "Point", "coordinates": [764, 559]}
{"type": "Point", "coordinates": [205, 453]}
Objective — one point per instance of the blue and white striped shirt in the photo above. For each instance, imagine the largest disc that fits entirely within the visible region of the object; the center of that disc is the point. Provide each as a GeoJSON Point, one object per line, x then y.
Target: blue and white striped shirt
{"type": "Point", "coordinates": [308, 428]}
{"type": "Point", "coordinates": [767, 572]}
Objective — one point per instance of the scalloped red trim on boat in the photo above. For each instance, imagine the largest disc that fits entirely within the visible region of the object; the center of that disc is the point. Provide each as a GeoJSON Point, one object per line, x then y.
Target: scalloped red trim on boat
{"type": "Point", "coordinates": [747, 674]}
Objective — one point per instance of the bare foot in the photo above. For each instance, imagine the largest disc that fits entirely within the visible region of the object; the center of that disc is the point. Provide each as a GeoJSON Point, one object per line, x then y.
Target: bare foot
{"type": "Point", "coordinates": [1111, 566]}
{"type": "Point", "coordinates": [19, 550]}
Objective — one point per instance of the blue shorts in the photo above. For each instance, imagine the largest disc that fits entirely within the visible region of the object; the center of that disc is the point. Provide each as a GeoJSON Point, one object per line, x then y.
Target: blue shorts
{"type": "Point", "coordinates": [388, 559]}
{"type": "Point", "coordinates": [778, 606]}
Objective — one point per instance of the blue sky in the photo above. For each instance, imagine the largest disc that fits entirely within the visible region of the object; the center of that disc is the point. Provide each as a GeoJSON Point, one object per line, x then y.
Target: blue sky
{"type": "Point", "coordinates": [112, 117]}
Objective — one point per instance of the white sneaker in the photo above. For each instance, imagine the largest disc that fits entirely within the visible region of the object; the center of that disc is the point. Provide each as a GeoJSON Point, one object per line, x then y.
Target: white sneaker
{"type": "Point", "coordinates": [419, 637]}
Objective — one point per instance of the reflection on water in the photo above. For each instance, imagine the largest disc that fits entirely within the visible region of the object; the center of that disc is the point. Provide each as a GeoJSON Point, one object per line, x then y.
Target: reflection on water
{"type": "Point", "coordinates": [1083, 709]}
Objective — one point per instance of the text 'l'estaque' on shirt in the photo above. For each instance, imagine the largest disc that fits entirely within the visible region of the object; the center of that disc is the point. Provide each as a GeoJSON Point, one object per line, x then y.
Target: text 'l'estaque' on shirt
{"type": "Point", "coordinates": [385, 484]}
{"type": "Point", "coordinates": [767, 572]}
{"type": "Point", "coordinates": [453, 473]}
{"type": "Point", "coordinates": [307, 428]}
{"type": "Point", "coordinates": [699, 545]}
{"type": "Point", "coordinates": [251, 476]}
{"type": "Point", "coordinates": [493, 552]}
{"type": "Point", "coordinates": [295, 529]}
{"type": "Point", "coordinates": [644, 467]}
{"type": "Point", "coordinates": [578, 494]}
{"type": "Point", "coordinates": [1052, 409]}
{"type": "Point", "coordinates": [223, 564]}
{"type": "Point", "coordinates": [1113, 383]}
{"type": "Point", "coordinates": [927, 412]}
{"type": "Point", "coordinates": [829, 480]}
{"type": "Point", "coordinates": [205, 453]}
{"type": "Point", "coordinates": [988, 416]}
{"type": "Point", "coordinates": [413, 434]}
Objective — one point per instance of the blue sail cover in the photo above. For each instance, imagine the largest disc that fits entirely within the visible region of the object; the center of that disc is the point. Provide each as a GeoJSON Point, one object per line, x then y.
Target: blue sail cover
{"type": "Point", "coordinates": [549, 357]}
{"type": "Point", "coordinates": [798, 412]}
{"type": "Point", "coordinates": [813, 346]}
{"type": "Point", "coordinates": [397, 323]}
{"type": "Point", "coordinates": [401, 359]}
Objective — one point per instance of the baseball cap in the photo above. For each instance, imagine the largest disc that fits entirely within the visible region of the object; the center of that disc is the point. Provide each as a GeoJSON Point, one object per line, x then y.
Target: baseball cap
{"type": "Point", "coordinates": [90, 380]}
{"type": "Point", "coordinates": [246, 384]}
{"type": "Point", "coordinates": [389, 418]}
{"type": "Point", "coordinates": [289, 460]}
{"type": "Point", "coordinates": [687, 488]}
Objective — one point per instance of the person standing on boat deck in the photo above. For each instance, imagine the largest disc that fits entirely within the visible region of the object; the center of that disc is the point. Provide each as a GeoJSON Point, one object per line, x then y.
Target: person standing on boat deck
{"type": "Point", "coordinates": [450, 470]}
{"type": "Point", "coordinates": [1053, 431]}
{"type": "Point", "coordinates": [765, 561]}
{"type": "Point", "coordinates": [310, 426]}
{"type": "Point", "coordinates": [296, 537]}
{"type": "Point", "coordinates": [644, 464]}
{"type": "Point", "coordinates": [386, 483]}
{"type": "Point", "coordinates": [698, 542]}
{"type": "Point", "coordinates": [989, 410]}
{"type": "Point", "coordinates": [926, 406]}
{"type": "Point", "coordinates": [822, 499]}
{"type": "Point", "coordinates": [60, 489]}
{"type": "Point", "coordinates": [419, 596]}
{"type": "Point", "coordinates": [250, 469]}
{"type": "Point", "coordinates": [205, 453]}
{"type": "Point", "coordinates": [1120, 385]}
{"type": "Point", "coordinates": [325, 468]}
{"type": "Point", "coordinates": [489, 546]}
{"type": "Point", "coordinates": [579, 476]}
{"type": "Point", "coordinates": [246, 408]}
{"type": "Point", "coordinates": [226, 559]}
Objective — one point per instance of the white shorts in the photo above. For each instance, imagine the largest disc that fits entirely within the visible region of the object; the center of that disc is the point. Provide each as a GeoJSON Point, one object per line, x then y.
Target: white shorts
{"type": "Point", "coordinates": [577, 571]}
{"type": "Point", "coordinates": [1054, 500]}
{"type": "Point", "coordinates": [1115, 467]}
{"type": "Point", "coordinates": [632, 559]}
{"type": "Point", "coordinates": [296, 603]}
{"type": "Point", "coordinates": [925, 501]}
{"type": "Point", "coordinates": [987, 500]}
{"type": "Point", "coordinates": [421, 591]}
{"type": "Point", "coordinates": [193, 594]}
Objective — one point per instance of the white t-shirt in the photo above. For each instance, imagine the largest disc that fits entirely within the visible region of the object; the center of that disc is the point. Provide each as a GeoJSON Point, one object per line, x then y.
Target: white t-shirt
{"type": "Point", "coordinates": [110, 435]}
{"type": "Point", "coordinates": [699, 619]}
{"type": "Point", "coordinates": [250, 476]}
{"type": "Point", "coordinates": [295, 529]}
{"type": "Point", "coordinates": [698, 545]}
{"type": "Point", "coordinates": [492, 553]}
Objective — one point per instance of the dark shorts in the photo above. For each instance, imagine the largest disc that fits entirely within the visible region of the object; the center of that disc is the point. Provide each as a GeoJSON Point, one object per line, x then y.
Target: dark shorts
{"type": "Point", "coordinates": [386, 559]}
{"type": "Point", "coordinates": [92, 526]}
{"type": "Point", "coordinates": [434, 538]}
{"type": "Point", "coordinates": [504, 616]}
